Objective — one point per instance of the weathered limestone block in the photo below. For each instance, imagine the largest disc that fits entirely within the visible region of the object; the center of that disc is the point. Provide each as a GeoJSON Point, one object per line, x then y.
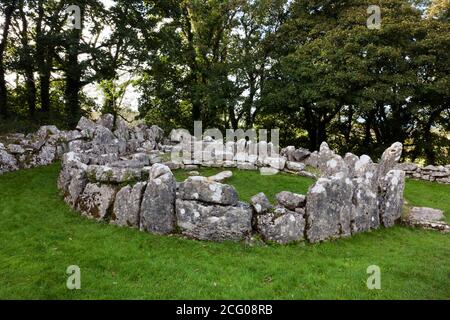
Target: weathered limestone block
{"type": "Point", "coordinates": [158, 203]}
{"type": "Point", "coordinates": [246, 166]}
{"type": "Point", "coordinates": [201, 189]}
{"type": "Point", "coordinates": [328, 208]}
{"type": "Point", "coordinates": [87, 127]}
{"type": "Point", "coordinates": [113, 175]}
{"type": "Point", "coordinates": [350, 160]}
{"type": "Point", "coordinates": [7, 162]}
{"type": "Point", "coordinates": [365, 204]}
{"type": "Point", "coordinates": [97, 201]}
{"type": "Point", "coordinates": [427, 214]}
{"type": "Point", "coordinates": [260, 203]}
{"type": "Point", "coordinates": [213, 222]}
{"type": "Point", "coordinates": [122, 131]}
{"type": "Point", "coordinates": [295, 166]}
{"type": "Point", "coordinates": [301, 154]}
{"type": "Point", "coordinates": [107, 121]}
{"type": "Point", "coordinates": [291, 200]}
{"type": "Point", "coordinates": [281, 226]}
{"type": "Point", "coordinates": [312, 160]}
{"type": "Point", "coordinates": [390, 198]}
{"type": "Point", "coordinates": [268, 171]}
{"type": "Point", "coordinates": [46, 155]}
{"type": "Point", "coordinates": [127, 205]}
{"type": "Point", "coordinates": [325, 154]}
{"type": "Point", "coordinates": [221, 176]}
{"type": "Point", "coordinates": [276, 162]}
{"type": "Point", "coordinates": [16, 149]}
{"type": "Point", "coordinates": [288, 152]}
{"type": "Point", "coordinates": [389, 160]}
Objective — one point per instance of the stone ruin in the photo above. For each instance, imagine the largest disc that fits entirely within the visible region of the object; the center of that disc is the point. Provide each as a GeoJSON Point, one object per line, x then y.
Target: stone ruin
{"type": "Point", "coordinates": [112, 177]}
{"type": "Point", "coordinates": [122, 175]}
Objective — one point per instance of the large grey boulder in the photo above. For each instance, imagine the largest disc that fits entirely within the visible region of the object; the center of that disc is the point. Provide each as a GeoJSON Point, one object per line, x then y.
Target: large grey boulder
{"type": "Point", "coordinates": [201, 189]}
{"type": "Point", "coordinates": [365, 203]}
{"type": "Point", "coordinates": [16, 149]}
{"type": "Point", "coordinates": [158, 203]}
{"type": "Point", "coordinates": [301, 154]}
{"type": "Point", "coordinates": [389, 159]}
{"type": "Point", "coordinates": [107, 121]}
{"type": "Point", "coordinates": [295, 166]}
{"type": "Point", "coordinates": [281, 226]}
{"type": "Point", "coordinates": [7, 162]}
{"type": "Point", "coordinates": [127, 205]}
{"type": "Point", "coordinates": [97, 201]}
{"type": "Point", "coordinates": [221, 176]}
{"type": "Point", "coordinates": [328, 208]}
{"type": "Point", "coordinates": [87, 127]}
{"type": "Point", "coordinates": [261, 203]}
{"type": "Point", "coordinates": [390, 198]}
{"type": "Point", "coordinates": [291, 200]}
{"type": "Point", "coordinates": [122, 131]}
{"type": "Point", "coordinates": [213, 222]}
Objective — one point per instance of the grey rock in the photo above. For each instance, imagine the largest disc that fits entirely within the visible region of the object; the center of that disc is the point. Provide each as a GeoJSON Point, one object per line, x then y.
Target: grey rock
{"type": "Point", "coordinates": [213, 222]}
{"type": "Point", "coordinates": [282, 227]}
{"type": "Point", "coordinates": [390, 198]}
{"type": "Point", "coordinates": [389, 159]}
{"type": "Point", "coordinates": [328, 208]}
{"type": "Point", "coordinates": [7, 162]}
{"type": "Point", "coordinates": [122, 131]}
{"type": "Point", "coordinates": [107, 121]}
{"type": "Point", "coordinates": [16, 149]}
{"type": "Point", "coordinates": [291, 200]}
{"type": "Point", "coordinates": [427, 214]}
{"type": "Point", "coordinates": [201, 189]}
{"type": "Point", "coordinates": [268, 171]}
{"type": "Point", "coordinates": [246, 166]}
{"type": "Point", "coordinates": [221, 176]}
{"type": "Point", "coordinates": [87, 127]}
{"type": "Point", "coordinates": [295, 166]}
{"type": "Point", "coordinates": [97, 201]}
{"type": "Point", "coordinates": [350, 160]}
{"type": "Point", "coordinates": [158, 203]}
{"type": "Point", "coordinates": [260, 203]}
{"type": "Point", "coordinates": [127, 205]}
{"type": "Point", "coordinates": [301, 154]}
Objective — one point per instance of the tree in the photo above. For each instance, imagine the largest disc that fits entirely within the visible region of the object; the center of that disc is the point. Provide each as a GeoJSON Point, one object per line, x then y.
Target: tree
{"type": "Point", "coordinates": [7, 8]}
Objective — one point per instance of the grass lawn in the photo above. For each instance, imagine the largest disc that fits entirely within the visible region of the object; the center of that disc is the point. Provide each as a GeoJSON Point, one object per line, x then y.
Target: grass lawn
{"type": "Point", "coordinates": [41, 236]}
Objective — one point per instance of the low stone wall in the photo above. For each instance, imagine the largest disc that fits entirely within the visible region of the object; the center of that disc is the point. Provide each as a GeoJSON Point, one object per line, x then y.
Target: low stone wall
{"type": "Point", "coordinates": [104, 141]}
{"type": "Point", "coordinates": [440, 174]}
{"type": "Point", "coordinates": [353, 195]}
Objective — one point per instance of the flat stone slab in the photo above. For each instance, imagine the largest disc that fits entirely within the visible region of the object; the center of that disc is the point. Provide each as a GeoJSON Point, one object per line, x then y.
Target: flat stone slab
{"type": "Point", "coordinates": [429, 214]}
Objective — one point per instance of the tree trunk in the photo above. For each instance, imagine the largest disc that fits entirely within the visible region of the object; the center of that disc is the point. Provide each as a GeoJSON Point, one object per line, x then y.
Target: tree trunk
{"type": "Point", "coordinates": [3, 91]}
{"type": "Point", "coordinates": [73, 77]}
{"type": "Point", "coordinates": [28, 65]}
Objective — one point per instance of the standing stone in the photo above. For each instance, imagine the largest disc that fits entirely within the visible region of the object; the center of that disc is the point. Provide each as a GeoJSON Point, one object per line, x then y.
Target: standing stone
{"type": "Point", "coordinates": [260, 203]}
{"type": "Point", "coordinates": [282, 226]}
{"type": "Point", "coordinates": [7, 162]}
{"type": "Point", "coordinates": [158, 204]}
{"type": "Point", "coordinates": [291, 200]}
{"type": "Point", "coordinates": [127, 205]}
{"type": "Point", "coordinates": [389, 160]}
{"type": "Point", "coordinates": [390, 199]}
{"type": "Point", "coordinates": [214, 222]}
{"type": "Point", "coordinates": [328, 208]}
{"type": "Point", "coordinates": [97, 201]}
{"type": "Point", "coordinates": [87, 127]}
{"type": "Point", "coordinates": [365, 204]}
{"type": "Point", "coordinates": [350, 160]}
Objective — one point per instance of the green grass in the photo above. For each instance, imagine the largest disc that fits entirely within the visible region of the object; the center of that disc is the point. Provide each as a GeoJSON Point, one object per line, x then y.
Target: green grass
{"type": "Point", "coordinates": [248, 183]}
{"type": "Point", "coordinates": [429, 194]}
{"type": "Point", "coordinates": [41, 236]}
